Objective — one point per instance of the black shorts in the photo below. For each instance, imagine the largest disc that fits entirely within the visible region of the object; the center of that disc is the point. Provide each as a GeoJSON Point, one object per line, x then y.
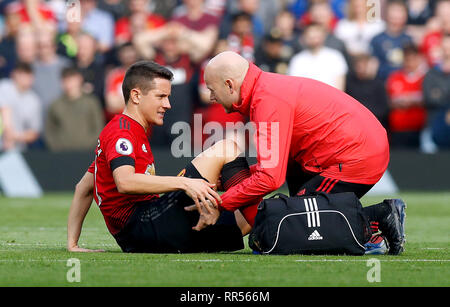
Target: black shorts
{"type": "Point", "coordinates": [163, 226]}
{"type": "Point", "coordinates": [302, 183]}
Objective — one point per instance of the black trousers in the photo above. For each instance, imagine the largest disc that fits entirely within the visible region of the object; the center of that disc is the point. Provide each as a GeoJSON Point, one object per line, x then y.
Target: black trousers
{"type": "Point", "coordinates": [163, 226]}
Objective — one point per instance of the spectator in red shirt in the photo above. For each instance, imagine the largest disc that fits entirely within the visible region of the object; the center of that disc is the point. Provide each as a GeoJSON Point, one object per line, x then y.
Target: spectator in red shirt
{"type": "Point", "coordinates": [139, 19]}
{"type": "Point", "coordinates": [437, 27]}
{"type": "Point", "coordinates": [407, 115]}
{"type": "Point", "coordinates": [36, 13]}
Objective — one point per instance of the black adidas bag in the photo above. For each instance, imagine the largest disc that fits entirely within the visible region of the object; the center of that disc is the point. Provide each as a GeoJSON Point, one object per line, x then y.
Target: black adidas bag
{"type": "Point", "coordinates": [315, 224]}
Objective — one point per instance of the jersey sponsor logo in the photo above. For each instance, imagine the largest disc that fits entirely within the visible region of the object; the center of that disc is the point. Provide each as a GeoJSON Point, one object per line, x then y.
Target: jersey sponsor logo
{"type": "Point", "coordinates": [124, 146]}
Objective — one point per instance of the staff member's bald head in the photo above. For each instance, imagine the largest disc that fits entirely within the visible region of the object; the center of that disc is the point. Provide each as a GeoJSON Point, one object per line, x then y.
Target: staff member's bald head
{"type": "Point", "coordinates": [224, 76]}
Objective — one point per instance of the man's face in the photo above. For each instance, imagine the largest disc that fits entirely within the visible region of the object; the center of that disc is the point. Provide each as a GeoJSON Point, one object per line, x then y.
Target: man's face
{"type": "Point", "coordinates": [314, 37]}
{"type": "Point", "coordinates": [220, 91]}
{"type": "Point", "coordinates": [446, 48]}
{"type": "Point", "coordinates": [24, 80]}
{"type": "Point", "coordinates": [72, 84]}
{"type": "Point", "coordinates": [154, 104]}
{"type": "Point", "coordinates": [396, 17]}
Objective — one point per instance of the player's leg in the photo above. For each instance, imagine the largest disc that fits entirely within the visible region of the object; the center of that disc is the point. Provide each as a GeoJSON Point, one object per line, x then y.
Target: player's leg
{"type": "Point", "coordinates": [223, 158]}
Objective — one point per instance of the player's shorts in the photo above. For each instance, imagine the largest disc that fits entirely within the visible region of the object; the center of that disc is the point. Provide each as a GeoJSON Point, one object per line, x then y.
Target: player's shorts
{"type": "Point", "coordinates": [163, 226]}
{"type": "Point", "coordinates": [301, 183]}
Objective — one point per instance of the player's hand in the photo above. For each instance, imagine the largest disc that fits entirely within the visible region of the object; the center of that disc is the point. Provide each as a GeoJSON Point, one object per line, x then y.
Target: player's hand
{"type": "Point", "coordinates": [207, 217]}
{"type": "Point", "coordinates": [78, 249]}
{"type": "Point", "coordinates": [219, 184]}
{"type": "Point", "coordinates": [201, 192]}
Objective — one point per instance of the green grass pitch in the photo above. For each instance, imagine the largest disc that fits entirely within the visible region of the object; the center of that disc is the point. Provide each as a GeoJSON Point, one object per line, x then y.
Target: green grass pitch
{"type": "Point", "coordinates": [33, 238]}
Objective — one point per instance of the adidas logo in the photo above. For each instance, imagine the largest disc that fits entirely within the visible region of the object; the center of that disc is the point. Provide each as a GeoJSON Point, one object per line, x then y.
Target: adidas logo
{"type": "Point", "coordinates": [315, 236]}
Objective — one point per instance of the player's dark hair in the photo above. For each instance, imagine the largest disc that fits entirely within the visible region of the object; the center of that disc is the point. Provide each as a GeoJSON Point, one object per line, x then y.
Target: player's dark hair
{"type": "Point", "coordinates": [141, 75]}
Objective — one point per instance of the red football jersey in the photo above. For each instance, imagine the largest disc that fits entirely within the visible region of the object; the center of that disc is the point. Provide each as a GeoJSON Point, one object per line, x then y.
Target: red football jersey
{"type": "Point", "coordinates": [123, 141]}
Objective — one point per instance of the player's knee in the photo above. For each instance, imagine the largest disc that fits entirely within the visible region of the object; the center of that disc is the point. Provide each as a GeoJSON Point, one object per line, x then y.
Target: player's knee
{"type": "Point", "coordinates": [230, 149]}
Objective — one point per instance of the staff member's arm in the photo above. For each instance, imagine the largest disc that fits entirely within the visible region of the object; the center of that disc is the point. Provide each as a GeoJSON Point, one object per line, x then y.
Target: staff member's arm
{"type": "Point", "coordinates": [272, 154]}
{"type": "Point", "coordinates": [82, 200]}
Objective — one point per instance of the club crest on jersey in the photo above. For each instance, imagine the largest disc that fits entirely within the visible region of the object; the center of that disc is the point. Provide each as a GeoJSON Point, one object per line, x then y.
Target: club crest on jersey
{"type": "Point", "coordinates": [124, 147]}
{"type": "Point", "coordinates": [150, 169]}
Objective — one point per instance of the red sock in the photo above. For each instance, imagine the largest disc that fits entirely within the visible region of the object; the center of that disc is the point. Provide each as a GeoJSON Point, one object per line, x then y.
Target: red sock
{"type": "Point", "coordinates": [249, 213]}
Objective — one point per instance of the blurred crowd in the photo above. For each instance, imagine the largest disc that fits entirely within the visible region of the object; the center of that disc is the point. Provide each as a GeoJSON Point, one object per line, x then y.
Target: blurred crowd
{"type": "Point", "coordinates": [62, 62]}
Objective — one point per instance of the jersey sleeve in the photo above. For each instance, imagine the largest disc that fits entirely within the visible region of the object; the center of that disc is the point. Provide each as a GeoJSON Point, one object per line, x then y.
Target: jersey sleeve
{"type": "Point", "coordinates": [274, 122]}
{"type": "Point", "coordinates": [91, 168]}
{"type": "Point", "coordinates": [119, 149]}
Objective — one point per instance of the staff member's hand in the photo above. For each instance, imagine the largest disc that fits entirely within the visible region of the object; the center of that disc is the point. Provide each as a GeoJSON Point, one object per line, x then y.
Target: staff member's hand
{"type": "Point", "coordinates": [201, 192]}
{"type": "Point", "coordinates": [207, 217]}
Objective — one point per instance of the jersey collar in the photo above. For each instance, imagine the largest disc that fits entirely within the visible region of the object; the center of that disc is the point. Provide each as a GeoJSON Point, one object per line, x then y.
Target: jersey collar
{"type": "Point", "coordinates": [247, 87]}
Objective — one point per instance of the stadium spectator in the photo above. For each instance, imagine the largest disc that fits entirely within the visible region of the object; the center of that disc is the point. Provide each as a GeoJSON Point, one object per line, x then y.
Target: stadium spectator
{"type": "Point", "coordinates": [271, 55]}
{"type": "Point", "coordinates": [419, 11]}
{"type": "Point", "coordinates": [91, 65]}
{"type": "Point", "coordinates": [437, 27]}
{"type": "Point", "coordinates": [196, 30]}
{"type": "Point", "coordinates": [26, 46]}
{"type": "Point", "coordinates": [8, 44]}
{"type": "Point", "coordinates": [285, 26]}
{"type": "Point", "coordinates": [250, 7]}
{"type": "Point", "coordinates": [216, 7]}
{"type": "Point", "coordinates": [35, 13]}
{"type": "Point", "coordinates": [171, 56]}
{"type": "Point", "coordinates": [363, 86]}
{"type": "Point", "coordinates": [240, 39]}
{"type": "Point", "coordinates": [20, 109]}
{"type": "Point", "coordinates": [193, 28]}
{"type": "Point", "coordinates": [100, 24]}
{"type": "Point", "coordinates": [47, 69]}
{"type": "Point", "coordinates": [117, 8]}
{"type": "Point", "coordinates": [75, 119]}
{"type": "Point", "coordinates": [436, 87]}
{"type": "Point", "coordinates": [387, 46]}
{"type": "Point", "coordinates": [140, 19]}
{"type": "Point", "coordinates": [321, 13]}
{"type": "Point", "coordinates": [317, 61]}
{"type": "Point", "coordinates": [300, 7]}
{"type": "Point", "coordinates": [355, 30]}
{"type": "Point", "coordinates": [214, 112]}
{"type": "Point", "coordinates": [407, 115]}
{"type": "Point", "coordinates": [67, 40]}
{"type": "Point", "coordinates": [114, 102]}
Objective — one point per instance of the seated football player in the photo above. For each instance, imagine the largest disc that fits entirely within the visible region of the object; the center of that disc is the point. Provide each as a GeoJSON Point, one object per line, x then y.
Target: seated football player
{"type": "Point", "coordinates": [123, 182]}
